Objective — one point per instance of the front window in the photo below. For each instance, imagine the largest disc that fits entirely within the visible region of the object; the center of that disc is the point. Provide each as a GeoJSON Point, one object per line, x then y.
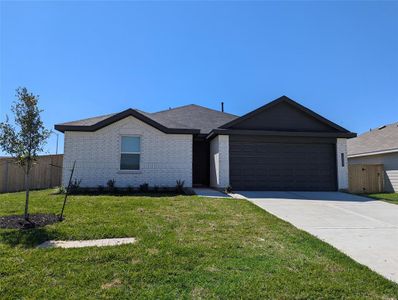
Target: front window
{"type": "Point", "coordinates": [130, 153]}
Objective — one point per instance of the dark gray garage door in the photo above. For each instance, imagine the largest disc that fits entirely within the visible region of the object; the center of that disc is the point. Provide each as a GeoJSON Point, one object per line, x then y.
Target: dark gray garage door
{"type": "Point", "coordinates": [265, 163]}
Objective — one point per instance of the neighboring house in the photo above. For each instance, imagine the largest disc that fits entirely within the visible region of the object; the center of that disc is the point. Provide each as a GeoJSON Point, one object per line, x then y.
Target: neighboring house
{"type": "Point", "coordinates": [280, 146]}
{"type": "Point", "coordinates": [378, 146]}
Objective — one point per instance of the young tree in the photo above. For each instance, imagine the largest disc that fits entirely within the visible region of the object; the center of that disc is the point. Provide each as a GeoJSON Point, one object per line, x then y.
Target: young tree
{"type": "Point", "coordinates": [28, 138]}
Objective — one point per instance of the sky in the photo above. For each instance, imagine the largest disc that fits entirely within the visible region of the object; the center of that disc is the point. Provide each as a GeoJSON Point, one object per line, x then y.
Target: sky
{"type": "Point", "coordinates": [88, 58]}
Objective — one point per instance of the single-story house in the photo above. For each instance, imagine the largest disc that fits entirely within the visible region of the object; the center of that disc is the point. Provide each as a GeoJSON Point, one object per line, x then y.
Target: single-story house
{"type": "Point", "coordinates": [378, 146]}
{"type": "Point", "coordinates": [279, 146]}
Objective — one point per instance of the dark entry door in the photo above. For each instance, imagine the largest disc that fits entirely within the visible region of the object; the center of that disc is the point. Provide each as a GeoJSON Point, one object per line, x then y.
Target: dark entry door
{"type": "Point", "coordinates": [201, 163]}
{"type": "Point", "coordinates": [302, 164]}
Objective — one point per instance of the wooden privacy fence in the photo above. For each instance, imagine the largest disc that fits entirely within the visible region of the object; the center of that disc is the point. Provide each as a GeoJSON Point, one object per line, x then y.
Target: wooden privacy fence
{"type": "Point", "coordinates": [365, 179]}
{"type": "Point", "coordinates": [46, 173]}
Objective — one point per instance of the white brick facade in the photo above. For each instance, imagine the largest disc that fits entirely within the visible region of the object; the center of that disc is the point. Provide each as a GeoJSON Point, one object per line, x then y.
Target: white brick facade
{"type": "Point", "coordinates": [219, 161]}
{"type": "Point", "coordinates": [342, 167]}
{"type": "Point", "coordinates": [165, 158]}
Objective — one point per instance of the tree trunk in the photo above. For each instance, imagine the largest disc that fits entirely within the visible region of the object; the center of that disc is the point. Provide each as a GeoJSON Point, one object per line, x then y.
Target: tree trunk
{"type": "Point", "coordinates": [27, 175]}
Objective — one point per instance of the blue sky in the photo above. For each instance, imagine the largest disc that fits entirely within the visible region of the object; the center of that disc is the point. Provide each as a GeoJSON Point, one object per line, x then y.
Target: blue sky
{"type": "Point", "coordinates": [91, 58]}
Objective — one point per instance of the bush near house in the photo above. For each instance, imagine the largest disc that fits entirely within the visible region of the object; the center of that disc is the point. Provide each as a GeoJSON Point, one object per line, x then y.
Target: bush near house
{"type": "Point", "coordinates": [113, 189]}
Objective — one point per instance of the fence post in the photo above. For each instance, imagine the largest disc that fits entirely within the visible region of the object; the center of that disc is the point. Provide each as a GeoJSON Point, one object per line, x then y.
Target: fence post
{"type": "Point", "coordinates": [6, 179]}
{"type": "Point", "coordinates": [50, 182]}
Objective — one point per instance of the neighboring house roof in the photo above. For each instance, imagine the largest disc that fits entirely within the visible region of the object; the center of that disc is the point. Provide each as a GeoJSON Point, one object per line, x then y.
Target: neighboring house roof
{"type": "Point", "coordinates": [376, 141]}
{"type": "Point", "coordinates": [185, 119]}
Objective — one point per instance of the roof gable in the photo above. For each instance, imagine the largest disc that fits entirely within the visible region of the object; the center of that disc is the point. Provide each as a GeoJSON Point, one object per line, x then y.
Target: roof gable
{"type": "Point", "coordinates": [284, 114]}
{"type": "Point", "coordinates": [191, 118]}
{"type": "Point", "coordinates": [105, 121]}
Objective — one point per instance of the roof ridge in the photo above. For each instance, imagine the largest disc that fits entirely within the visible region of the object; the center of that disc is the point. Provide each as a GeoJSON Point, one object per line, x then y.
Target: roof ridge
{"type": "Point", "coordinates": [178, 107]}
{"type": "Point", "coordinates": [385, 125]}
{"type": "Point", "coordinates": [215, 110]}
{"type": "Point", "coordinates": [379, 128]}
{"type": "Point", "coordinates": [197, 105]}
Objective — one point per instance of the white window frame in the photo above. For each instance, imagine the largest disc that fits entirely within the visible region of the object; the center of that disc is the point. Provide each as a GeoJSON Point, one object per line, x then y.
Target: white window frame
{"type": "Point", "coordinates": [120, 153]}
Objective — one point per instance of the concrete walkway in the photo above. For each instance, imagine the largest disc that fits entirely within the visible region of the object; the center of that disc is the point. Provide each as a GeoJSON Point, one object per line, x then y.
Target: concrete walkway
{"type": "Point", "coordinates": [210, 193]}
{"type": "Point", "coordinates": [87, 243]}
{"type": "Point", "coordinates": [364, 229]}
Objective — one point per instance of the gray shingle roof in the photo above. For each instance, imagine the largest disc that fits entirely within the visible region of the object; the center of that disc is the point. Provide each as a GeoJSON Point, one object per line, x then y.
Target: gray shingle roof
{"type": "Point", "coordinates": [384, 138]}
{"type": "Point", "coordinates": [184, 117]}
{"type": "Point", "coordinates": [164, 121]}
{"type": "Point", "coordinates": [194, 116]}
{"type": "Point", "coordinates": [88, 121]}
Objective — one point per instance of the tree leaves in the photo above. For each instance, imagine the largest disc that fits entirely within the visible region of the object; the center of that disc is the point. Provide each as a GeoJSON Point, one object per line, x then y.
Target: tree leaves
{"type": "Point", "coordinates": [28, 138]}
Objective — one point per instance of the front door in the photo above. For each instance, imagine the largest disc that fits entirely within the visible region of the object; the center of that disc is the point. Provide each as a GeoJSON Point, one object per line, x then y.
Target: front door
{"type": "Point", "coordinates": [201, 163]}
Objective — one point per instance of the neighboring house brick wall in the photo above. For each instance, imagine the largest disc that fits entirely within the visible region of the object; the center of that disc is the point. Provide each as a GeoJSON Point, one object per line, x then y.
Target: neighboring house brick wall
{"type": "Point", "coordinates": [219, 161]}
{"type": "Point", "coordinates": [390, 162]}
{"type": "Point", "coordinates": [342, 167]}
{"type": "Point", "coordinates": [165, 158]}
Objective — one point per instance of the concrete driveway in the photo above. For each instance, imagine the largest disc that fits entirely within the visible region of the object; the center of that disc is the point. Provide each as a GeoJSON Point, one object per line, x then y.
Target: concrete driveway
{"type": "Point", "coordinates": [364, 229]}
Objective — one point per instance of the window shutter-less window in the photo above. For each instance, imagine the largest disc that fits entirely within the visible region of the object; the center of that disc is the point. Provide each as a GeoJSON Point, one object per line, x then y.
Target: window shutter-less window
{"type": "Point", "coordinates": [130, 153]}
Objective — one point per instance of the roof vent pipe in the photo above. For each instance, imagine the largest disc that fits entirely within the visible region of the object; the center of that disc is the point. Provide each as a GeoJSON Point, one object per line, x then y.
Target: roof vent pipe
{"type": "Point", "coordinates": [222, 106]}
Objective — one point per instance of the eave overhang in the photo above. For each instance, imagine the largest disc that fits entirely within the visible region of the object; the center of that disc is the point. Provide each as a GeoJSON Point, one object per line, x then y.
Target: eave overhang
{"type": "Point", "coordinates": [378, 152]}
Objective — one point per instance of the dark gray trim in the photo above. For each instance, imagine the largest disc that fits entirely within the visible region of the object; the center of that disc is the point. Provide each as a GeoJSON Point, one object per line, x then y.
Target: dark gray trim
{"type": "Point", "coordinates": [215, 132]}
{"type": "Point", "coordinates": [291, 102]}
{"type": "Point", "coordinates": [122, 115]}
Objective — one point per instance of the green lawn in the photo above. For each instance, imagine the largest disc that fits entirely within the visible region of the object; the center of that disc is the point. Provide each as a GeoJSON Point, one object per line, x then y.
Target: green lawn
{"type": "Point", "coordinates": [388, 197]}
{"type": "Point", "coordinates": [188, 247]}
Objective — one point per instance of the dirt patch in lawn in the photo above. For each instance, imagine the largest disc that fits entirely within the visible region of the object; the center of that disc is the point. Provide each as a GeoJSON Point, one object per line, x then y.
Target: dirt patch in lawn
{"type": "Point", "coordinates": [35, 220]}
{"type": "Point", "coordinates": [114, 283]}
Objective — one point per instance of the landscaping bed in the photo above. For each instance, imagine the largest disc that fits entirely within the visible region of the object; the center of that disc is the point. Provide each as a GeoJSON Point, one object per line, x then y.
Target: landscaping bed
{"type": "Point", "coordinates": [189, 247]}
{"type": "Point", "coordinates": [34, 221]}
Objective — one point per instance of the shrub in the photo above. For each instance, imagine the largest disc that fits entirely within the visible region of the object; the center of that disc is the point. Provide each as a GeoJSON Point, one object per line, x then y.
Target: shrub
{"type": "Point", "coordinates": [228, 189]}
{"type": "Point", "coordinates": [74, 186]}
{"type": "Point", "coordinates": [130, 189]}
{"type": "Point", "coordinates": [111, 185]}
{"type": "Point", "coordinates": [100, 189]}
{"type": "Point", "coordinates": [180, 186]}
{"type": "Point", "coordinates": [144, 187]}
{"type": "Point", "coordinates": [156, 189]}
{"type": "Point", "coordinates": [61, 190]}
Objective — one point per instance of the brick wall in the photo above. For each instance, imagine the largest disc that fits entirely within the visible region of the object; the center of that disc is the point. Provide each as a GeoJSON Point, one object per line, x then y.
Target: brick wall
{"type": "Point", "coordinates": [165, 158]}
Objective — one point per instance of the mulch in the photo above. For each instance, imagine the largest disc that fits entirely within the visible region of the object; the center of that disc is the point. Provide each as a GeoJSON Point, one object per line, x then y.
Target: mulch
{"type": "Point", "coordinates": [35, 220]}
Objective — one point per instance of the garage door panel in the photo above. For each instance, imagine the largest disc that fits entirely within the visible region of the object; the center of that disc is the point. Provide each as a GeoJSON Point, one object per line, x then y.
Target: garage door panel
{"type": "Point", "coordinates": [256, 163]}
